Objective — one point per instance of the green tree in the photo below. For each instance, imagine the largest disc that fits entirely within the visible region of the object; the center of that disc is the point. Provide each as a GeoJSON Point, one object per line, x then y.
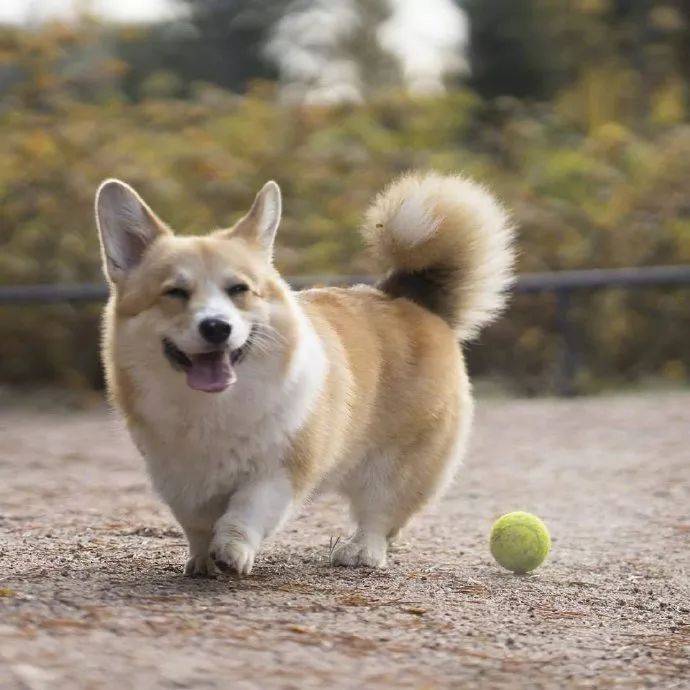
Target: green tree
{"type": "Point", "coordinates": [514, 47]}
{"type": "Point", "coordinates": [537, 48]}
{"type": "Point", "coordinates": [219, 42]}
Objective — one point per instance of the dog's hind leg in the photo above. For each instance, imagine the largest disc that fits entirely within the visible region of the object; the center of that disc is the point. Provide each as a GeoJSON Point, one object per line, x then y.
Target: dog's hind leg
{"type": "Point", "coordinates": [379, 510]}
{"type": "Point", "coordinates": [386, 491]}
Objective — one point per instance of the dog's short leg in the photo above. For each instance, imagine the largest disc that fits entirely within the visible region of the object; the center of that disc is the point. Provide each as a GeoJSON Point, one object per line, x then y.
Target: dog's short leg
{"type": "Point", "coordinates": [377, 512]}
{"type": "Point", "coordinates": [199, 564]}
{"type": "Point", "coordinates": [255, 510]}
{"type": "Point", "coordinates": [367, 547]}
{"type": "Point", "coordinates": [385, 492]}
{"type": "Point", "coordinates": [377, 520]}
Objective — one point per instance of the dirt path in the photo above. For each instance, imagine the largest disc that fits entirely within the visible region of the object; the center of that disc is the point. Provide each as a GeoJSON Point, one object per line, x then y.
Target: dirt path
{"type": "Point", "coordinates": [91, 594]}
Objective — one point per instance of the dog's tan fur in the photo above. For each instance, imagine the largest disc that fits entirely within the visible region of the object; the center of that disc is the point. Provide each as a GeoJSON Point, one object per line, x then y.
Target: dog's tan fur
{"type": "Point", "coordinates": [382, 400]}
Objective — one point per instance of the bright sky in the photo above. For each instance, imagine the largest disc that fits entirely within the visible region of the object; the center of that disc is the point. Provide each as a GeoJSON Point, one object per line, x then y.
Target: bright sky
{"type": "Point", "coordinates": [20, 11]}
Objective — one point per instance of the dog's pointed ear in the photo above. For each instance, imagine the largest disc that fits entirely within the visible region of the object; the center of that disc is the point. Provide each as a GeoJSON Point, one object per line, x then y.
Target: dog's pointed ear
{"type": "Point", "coordinates": [260, 225]}
{"type": "Point", "coordinates": [127, 227]}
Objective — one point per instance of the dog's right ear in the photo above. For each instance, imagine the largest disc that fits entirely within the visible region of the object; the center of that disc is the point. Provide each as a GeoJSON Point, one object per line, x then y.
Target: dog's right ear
{"type": "Point", "coordinates": [127, 227]}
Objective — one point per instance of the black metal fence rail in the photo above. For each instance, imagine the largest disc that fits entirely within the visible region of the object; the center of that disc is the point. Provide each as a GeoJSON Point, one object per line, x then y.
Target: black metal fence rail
{"type": "Point", "coordinates": [557, 281]}
{"type": "Point", "coordinates": [561, 283]}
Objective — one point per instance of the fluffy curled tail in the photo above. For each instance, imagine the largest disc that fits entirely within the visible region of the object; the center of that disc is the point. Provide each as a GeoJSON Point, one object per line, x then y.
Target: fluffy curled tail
{"type": "Point", "coordinates": [445, 243]}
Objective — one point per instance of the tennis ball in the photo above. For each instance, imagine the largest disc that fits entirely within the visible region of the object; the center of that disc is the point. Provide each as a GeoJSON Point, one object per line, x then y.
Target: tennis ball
{"type": "Point", "coordinates": [520, 541]}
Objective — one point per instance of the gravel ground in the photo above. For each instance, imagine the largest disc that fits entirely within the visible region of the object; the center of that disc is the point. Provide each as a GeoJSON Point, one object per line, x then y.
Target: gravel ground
{"type": "Point", "coordinates": [91, 594]}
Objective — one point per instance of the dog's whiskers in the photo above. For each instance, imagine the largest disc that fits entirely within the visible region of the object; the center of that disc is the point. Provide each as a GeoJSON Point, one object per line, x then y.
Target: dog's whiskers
{"type": "Point", "coordinates": [266, 337]}
{"type": "Point", "coordinates": [267, 330]}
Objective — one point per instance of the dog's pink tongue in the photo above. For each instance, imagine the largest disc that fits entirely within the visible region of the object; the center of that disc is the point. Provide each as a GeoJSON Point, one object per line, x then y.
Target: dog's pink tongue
{"type": "Point", "coordinates": [211, 372]}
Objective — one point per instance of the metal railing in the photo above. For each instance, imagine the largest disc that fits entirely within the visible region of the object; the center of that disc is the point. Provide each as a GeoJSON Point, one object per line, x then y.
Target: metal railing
{"type": "Point", "coordinates": [561, 283]}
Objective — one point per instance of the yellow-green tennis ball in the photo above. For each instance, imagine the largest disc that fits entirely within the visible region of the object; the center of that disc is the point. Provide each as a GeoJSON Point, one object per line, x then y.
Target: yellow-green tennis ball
{"type": "Point", "coordinates": [520, 541]}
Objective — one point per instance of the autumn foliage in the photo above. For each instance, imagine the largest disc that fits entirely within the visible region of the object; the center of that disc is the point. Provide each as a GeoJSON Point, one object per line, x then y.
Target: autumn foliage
{"type": "Point", "coordinates": [587, 190]}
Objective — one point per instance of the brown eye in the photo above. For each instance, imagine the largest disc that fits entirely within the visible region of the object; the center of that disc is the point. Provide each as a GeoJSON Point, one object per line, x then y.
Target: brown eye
{"type": "Point", "coordinates": [177, 293]}
{"type": "Point", "coordinates": [238, 289]}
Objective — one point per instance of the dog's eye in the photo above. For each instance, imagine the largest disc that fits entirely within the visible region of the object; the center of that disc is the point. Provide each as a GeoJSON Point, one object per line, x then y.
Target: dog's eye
{"type": "Point", "coordinates": [177, 293]}
{"type": "Point", "coordinates": [237, 289]}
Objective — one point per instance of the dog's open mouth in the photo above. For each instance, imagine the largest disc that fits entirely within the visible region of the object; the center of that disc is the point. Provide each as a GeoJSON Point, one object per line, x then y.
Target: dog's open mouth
{"type": "Point", "coordinates": [210, 372]}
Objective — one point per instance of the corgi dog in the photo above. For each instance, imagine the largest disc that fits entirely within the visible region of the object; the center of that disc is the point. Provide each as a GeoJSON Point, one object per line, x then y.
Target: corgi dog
{"type": "Point", "coordinates": [246, 397]}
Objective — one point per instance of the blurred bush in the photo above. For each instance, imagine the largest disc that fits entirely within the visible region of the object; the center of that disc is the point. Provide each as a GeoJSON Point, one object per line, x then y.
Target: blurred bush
{"type": "Point", "coordinates": [586, 192]}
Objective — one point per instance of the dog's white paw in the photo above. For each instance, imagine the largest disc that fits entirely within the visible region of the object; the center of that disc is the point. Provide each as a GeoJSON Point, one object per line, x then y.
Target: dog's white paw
{"type": "Point", "coordinates": [200, 566]}
{"type": "Point", "coordinates": [360, 552]}
{"type": "Point", "coordinates": [233, 553]}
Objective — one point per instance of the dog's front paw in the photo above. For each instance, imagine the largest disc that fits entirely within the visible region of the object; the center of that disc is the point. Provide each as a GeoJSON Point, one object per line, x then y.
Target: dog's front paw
{"type": "Point", "coordinates": [232, 552]}
{"type": "Point", "coordinates": [200, 566]}
{"type": "Point", "coordinates": [360, 552]}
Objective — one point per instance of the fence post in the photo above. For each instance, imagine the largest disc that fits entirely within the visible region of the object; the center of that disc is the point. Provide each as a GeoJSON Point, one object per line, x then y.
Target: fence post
{"type": "Point", "coordinates": [567, 368]}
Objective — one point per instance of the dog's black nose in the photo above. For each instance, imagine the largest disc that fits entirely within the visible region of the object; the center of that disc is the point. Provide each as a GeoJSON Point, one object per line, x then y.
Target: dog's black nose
{"type": "Point", "coordinates": [215, 331]}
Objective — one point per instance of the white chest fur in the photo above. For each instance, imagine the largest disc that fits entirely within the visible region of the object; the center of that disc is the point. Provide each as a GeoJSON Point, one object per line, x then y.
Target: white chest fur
{"type": "Point", "coordinates": [199, 446]}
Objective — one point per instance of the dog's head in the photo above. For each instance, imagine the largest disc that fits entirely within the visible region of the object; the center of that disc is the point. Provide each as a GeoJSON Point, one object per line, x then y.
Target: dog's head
{"type": "Point", "coordinates": [204, 304]}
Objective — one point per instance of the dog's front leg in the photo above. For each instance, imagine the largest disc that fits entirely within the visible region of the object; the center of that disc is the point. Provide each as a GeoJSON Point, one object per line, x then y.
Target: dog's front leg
{"type": "Point", "coordinates": [198, 528]}
{"type": "Point", "coordinates": [198, 563]}
{"type": "Point", "coordinates": [255, 510]}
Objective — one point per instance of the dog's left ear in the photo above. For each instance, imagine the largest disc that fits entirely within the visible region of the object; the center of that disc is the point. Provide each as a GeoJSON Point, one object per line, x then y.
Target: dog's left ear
{"type": "Point", "coordinates": [259, 226]}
